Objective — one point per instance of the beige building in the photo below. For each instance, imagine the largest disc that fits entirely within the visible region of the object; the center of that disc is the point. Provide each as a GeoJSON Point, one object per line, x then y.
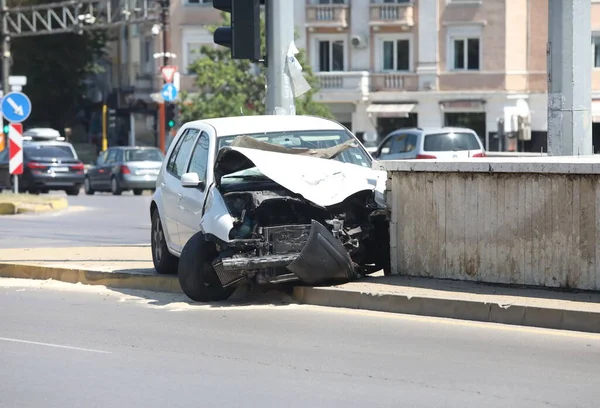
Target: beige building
{"type": "Point", "coordinates": [385, 64]}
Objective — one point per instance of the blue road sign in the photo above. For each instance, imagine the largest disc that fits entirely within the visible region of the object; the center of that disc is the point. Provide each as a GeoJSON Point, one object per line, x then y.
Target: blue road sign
{"type": "Point", "coordinates": [16, 107]}
{"type": "Point", "coordinates": [169, 92]}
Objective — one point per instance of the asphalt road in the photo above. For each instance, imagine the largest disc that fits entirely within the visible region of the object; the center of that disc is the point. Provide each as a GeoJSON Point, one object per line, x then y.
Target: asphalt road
{"type": "Point", "coordinates": [91, 347]}
{"type": "Point", "coordinates": [101, 219]}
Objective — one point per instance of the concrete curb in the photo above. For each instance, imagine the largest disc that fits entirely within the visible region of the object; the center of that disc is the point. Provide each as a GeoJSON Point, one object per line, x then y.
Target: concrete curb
{"type": "Point", "coordinates": [513, 314]}
{"type": "Point", "coordinates": [120, 280]}
{"type": "Point", "coordinates": [12, 207]}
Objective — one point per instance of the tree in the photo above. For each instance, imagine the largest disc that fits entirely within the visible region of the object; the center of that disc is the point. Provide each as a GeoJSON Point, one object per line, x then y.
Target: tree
{"type": "Point", "coordinates": [233, 87]}
{"type": "Point", "coordinates": [56, 66]}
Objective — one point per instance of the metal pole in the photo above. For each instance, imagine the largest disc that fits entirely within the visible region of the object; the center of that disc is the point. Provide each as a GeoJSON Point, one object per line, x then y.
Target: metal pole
{"type": "Point", "coordinates": [6, 55]}
{"type": "Point", "coordinates": [161, 126]}
{"type": "Point", "coordinates": [131, 129]}
{"type": "Point", "coordinates": [280, 34]}
{"type": "Point", "coordinates": [569, 78]}
{"type": "Point", "coordinates": [104, 127]}
{"type": "Point", "coordinates": [165, 46]}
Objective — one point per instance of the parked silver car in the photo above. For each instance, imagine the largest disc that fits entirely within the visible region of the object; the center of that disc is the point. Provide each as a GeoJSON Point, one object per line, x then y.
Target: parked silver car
{"type": "Point", "coordinates": [444, 143]}
{"type": "Point", "coordinates": [121, 169]}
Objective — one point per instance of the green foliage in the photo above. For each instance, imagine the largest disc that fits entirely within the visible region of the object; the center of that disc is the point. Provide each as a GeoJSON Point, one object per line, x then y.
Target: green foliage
{"type": "Point", "coordinates": [56, 66]}
{"type": "Point", "coordinates": [231, 87]}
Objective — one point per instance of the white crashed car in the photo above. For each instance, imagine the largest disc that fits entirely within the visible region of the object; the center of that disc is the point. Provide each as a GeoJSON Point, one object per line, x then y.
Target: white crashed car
{"type": "Point", "coordinates": [267, 199]}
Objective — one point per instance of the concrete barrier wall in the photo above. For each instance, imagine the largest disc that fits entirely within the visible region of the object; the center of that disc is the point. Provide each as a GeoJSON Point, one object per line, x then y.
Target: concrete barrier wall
{"type": "Point", "coordinates": [497, 220]}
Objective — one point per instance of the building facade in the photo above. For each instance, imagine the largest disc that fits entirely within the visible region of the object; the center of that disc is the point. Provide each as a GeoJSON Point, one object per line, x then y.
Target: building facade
{"type": "Point", "coordinates": [385, 64]}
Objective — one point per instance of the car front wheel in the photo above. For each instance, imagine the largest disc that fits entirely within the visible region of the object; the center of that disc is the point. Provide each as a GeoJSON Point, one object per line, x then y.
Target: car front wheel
{"type": "Point", "coordinates": [165, 263]}
{"type": "Point", "coordinates": [197, 276]}
{"type": "Point", "coordinates": [87, 185]}
{"type": "Point", "coordinates": [115, 188]}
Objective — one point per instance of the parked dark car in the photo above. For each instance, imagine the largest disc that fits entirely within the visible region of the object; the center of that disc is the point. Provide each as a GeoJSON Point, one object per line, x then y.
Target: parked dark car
{"type": "Point", "coordinates": [51, 166]}
{"type": "Point", "coordinates": [122, 168]}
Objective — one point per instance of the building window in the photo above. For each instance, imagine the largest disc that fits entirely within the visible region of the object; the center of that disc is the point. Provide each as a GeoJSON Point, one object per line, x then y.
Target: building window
{"type": "Point", "coordinates": [198, 1]}
{"type": "Point", "coordinates": [331, 55]}
{"type": "Point", "coordinates": [465, 54]}
{"type": "Point", "coordinates": [596, 51]}
{"type": "Point", "coordinates": [330, 2]}
{"type": "Point", "coordinates": [396, 55]}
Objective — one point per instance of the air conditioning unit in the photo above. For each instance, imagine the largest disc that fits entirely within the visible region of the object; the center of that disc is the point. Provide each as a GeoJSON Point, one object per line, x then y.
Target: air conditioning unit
{"type": "Point", "coordinates": [359, 41]}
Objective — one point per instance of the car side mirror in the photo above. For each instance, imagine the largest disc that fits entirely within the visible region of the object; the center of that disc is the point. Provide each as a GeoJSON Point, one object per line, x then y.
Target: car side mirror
{"type": "Point", "coordinates": [191, 180]}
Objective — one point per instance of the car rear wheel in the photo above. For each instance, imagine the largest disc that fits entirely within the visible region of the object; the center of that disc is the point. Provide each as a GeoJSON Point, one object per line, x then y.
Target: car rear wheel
{"type": "Point", "coordinates": [73, 191]}
{"type": "Point", "coordinates": [164, 262]}
{"type": "Point", "coordinates": [138, 191]}
{"type": "Point", "coordinates": [87, 185]}
{"type": "Point", "coordinates": [196, 274]}
{"type": "Point", "coordinates": [115, 188]}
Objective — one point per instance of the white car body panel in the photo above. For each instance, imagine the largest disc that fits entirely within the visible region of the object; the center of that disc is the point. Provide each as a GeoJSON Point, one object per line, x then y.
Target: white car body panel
{"type": "Point", "coordinates": [324, 182]}
{"type": "Point", "coordinates": [216, 219]}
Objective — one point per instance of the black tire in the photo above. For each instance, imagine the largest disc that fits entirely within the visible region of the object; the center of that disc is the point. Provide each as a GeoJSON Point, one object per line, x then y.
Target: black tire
{"type": "Point", "coordinates": [87, 186]}
{"type": "Point", "coordinates": [73, 191]}
{"type": "Point", "coordinates": [115, 188]}
{"type": "Point", "coordinates": [164, 262]}
{"type": "Point", "coordinates": [137, 191]}
{"type": "Point", "coordinates": [196, 274]}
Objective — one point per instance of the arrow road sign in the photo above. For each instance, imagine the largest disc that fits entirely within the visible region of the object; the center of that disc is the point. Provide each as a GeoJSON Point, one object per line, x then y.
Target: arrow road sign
{"type": "Point", "coordinates": [16, 107]}
{"type": "Point", "coordinates": [168, 72]}
{"type": "Point", "coordinates": [15, 148]}
{"type": "Point", "coordinates": [168, 92]}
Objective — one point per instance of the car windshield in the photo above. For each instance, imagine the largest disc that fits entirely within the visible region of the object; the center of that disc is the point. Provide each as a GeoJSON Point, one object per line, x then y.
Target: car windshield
{"type": "Point", "coordinates": [49, 151]}
{"type": "Point", "coordinates": [451, 141]}
{"type": "Point", "coordinates": [143, 155]}
{"type": "Point", "coordinates": [313, 139]}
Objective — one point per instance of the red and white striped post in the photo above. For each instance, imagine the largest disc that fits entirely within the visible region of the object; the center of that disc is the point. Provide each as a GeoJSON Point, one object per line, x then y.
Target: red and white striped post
{"type": "Point", "coordinates": [15, 153]}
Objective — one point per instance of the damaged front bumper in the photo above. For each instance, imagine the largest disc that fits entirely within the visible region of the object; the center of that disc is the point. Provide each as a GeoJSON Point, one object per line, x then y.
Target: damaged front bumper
{"type": "Point", "coordinates": [308, 253]}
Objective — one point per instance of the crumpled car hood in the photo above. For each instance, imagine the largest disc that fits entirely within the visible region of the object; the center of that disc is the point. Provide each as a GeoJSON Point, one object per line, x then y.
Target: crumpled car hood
{"type": "Point", "coordinates": [324, 182]}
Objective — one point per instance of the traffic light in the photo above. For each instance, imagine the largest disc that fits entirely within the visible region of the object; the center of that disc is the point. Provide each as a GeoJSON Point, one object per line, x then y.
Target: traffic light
{"type": "Point", "coordinates": [170, 115]}
{"type": "Point", "coordinates": [243, 36]}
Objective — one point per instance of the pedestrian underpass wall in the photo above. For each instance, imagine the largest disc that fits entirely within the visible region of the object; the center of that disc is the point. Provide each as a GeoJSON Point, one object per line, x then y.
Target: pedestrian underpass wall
{"type": "Point", "coordinates": [533, 221]}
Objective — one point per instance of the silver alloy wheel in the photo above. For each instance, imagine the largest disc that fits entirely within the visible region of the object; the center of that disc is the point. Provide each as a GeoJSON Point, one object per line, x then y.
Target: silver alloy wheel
{"type": "Point", "coordinates": [158, 236]}
{"type": "Point", "coordinates": [113, 185]}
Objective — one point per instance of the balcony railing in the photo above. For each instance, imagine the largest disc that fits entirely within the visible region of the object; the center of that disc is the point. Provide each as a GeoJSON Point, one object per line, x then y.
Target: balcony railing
{"type": "Point", "coordinates": [394, 82]}
{"type": "Point", "coordinates": [343, 86]}
{"type": "Point", "coordinates": [327, 15]}
{"type": "Point", "coordinates": [392, 14]}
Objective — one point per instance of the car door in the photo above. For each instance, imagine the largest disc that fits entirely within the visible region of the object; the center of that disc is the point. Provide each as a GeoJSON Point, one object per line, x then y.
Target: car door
{"type": "Point", "coordinates": [105, 173]}
{"type": "Point", "coordinates": [190, 210]}
{"type": "Point", "coordinates": [172, 191]}
{"type": "Point", "coordinates": [95, 172]}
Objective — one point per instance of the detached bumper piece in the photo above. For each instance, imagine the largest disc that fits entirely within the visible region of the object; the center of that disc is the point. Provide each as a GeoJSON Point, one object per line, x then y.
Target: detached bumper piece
{"type": "Point", "coordinates": [231, 270]}
{"type": "Point", "coordinates": [322, 259]}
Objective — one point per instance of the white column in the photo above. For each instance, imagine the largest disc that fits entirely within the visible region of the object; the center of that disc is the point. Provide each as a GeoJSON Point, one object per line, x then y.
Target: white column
{"type": "Point", "coordinates": [427, 59]}
{"type": "Point", "coordinates": [569, 78]}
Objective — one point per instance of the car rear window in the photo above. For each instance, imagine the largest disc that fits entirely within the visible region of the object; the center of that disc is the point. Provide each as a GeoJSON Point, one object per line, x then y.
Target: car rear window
{"type": "Point", "coordinates": [49, 151]}
{"type": "Point", "coordinates": [143, 155]}
{"type": "Point", "coordinates": [450, 141]}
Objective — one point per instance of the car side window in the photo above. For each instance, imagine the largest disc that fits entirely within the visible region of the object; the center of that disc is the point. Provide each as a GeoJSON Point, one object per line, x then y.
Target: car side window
{"type": "Point", "coordinates": [102, 158]}
{"type": "Point", "coordinates": [178, 159]}
{"type": "Point", "coordinates": [111, 157]}
{"type": "Point", "coordinates": [411, 143]}
{"type": "Point", "coordinates": [385, 147]}
{"type": "Point", "coordinates": [119, 158]}
{"type": "Point", "coordinates": [399, 143]}
{"type": "Point", "coordinates": [199, 161]}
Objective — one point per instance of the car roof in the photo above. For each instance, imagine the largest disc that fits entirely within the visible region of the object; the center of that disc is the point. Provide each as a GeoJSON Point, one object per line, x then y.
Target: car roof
{"type": "Point", "coordinates": [235, 125]}
{"type": "Point", "coordinates": [429, 130]}
{"type": "Point", "coordinates": [46, 143]}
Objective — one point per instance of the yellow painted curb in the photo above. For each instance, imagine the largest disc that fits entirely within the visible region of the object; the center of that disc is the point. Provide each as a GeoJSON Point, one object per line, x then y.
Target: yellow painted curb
{"type": "Point", "coordinates": [19, 207]}
{"type": "Point", "coordinates": [120, 280]}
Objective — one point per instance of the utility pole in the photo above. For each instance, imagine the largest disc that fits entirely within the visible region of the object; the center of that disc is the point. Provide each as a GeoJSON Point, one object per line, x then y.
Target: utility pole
{"type": "Point", "coordinates": [164, 21]}
{"type": "Point", "coordinates": [280, 35]}
{"type": "Point", "coordinates": [569, 78]}
{"type": "Point", "coordinates": [6, 57]}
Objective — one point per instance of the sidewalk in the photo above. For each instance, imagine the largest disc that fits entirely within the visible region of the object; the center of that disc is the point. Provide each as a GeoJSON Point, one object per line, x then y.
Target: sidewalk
{"type": "Point", "coordinates": [131, 268]}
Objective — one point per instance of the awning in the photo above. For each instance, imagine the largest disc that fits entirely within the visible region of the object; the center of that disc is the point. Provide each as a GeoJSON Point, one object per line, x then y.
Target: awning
{"type": "Point", "coordinates": [596, 111]}
{"type": "Point", "coordinates": [391, 110]}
